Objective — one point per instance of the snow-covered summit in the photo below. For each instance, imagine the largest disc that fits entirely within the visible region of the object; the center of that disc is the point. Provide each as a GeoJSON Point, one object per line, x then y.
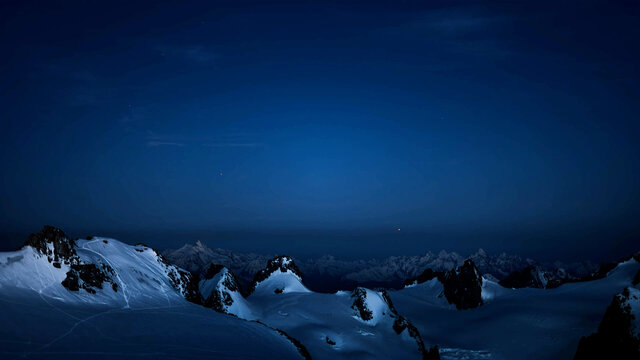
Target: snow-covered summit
{"type": "Point", "coordinates": [221, 292]}
{"type": "Point", "coordinates": [281, 275]}
{"type": "Point", "coordinates": [94, 270]}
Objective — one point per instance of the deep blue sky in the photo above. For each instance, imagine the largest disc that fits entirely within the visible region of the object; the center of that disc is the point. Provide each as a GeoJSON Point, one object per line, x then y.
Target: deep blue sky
{"type": "Point", "coordinates": [509, 126]}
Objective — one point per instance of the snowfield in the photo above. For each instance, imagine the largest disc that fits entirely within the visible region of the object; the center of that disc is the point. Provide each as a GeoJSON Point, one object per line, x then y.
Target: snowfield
{"type": "Point", "coordinates": [102, 299]}
{"type": "Point", "coordinates": [147, 317]}
{"type": "Point", "coordinates": [513, 324]}
{"type": "Point", "coordinates": [37, 327]}
{"type": "Point", "coordinates": [137, 308]}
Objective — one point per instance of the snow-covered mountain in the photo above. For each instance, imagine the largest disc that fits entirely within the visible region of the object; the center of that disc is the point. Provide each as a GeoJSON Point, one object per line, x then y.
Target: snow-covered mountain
{"type": "Point", "coordinates": [329, 274]}
{"type": "Point", "coordinates": [618, 335]}
{"type": "Point", "coordinates": [96, 270]}
{"type": "Point", "coordinates": [461, 286]}
{"type": "Point", "coordinates": [351, 325]}
{"type": "Point", "coordinates": [527, 323]}
{"type": "Point", "coordinates": [65, 298]}
{"type": "Point", "coordinates": [64, 281]}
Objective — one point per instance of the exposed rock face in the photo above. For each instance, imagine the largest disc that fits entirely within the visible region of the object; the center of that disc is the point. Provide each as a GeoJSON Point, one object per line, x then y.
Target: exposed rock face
{"type": "Point", "coordinates": [401, 324]}
{"type": "Point", "coordinates": [182, 281]}
{"type": "Point", "coordinates": [282, 263]}
{"type": "Point", "coordinates": [218, 296]}
{"type": "Point", "coordinates": [463, 286]}
{"type": "Point", "coordinates": [302, 350]}
{"type": "Point", "coordinates": [617, 336]}
{"type": "Point", "coordinates": [359, 296]}
{"type": "Point", "coordinates": [60, 249]}
{"type": "Point", "coordinates": [532, 276]}
{"type": "Point", "coordinates": [55, 244]}
{"type": "Point", "coordinates": [88, 277]}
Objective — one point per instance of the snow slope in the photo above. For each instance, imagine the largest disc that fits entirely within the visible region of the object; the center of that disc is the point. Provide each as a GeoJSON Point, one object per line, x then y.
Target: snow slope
{"type": "Point", "coordinates": [358, 325]}
{"type": "Point", "coordinates": [513, 324]}
{"type": "Point", "coordinates": [37, 327]}
{"type": "Point", "coordinates": [222, 293]}
{"type": "Point", "coordinates": [128, 303]}
{"type": "Point", "coordinates": [142, 278]}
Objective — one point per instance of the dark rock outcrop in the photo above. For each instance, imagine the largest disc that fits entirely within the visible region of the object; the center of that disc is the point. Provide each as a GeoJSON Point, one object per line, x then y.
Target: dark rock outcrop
{"type": "Point", "coordinates": [55, 244]}
{"type": "Point", "coordinates": [212, 271]}
{"type": "Point", "coordinates": [301, 348]}
{"type": "Point", "coordinates": [88, 277]}
{"type": "Point", "coordinates": [182, 281]}
{"type": "Point", "coordinates": [359, 296]}
{"type": "Point", "coordinates": [463, 286]}
{"type": "Point", "coordinates": [530, 277]}
{"type": "Point", "coordinates": [401, 324]}
{"type": "Point", "coordinates": [60, 249]}
{"type": "Point", "coordinates": [614, 338]}
{"type": "Point", "coordinates": [220, 298]}
{"type": "Point", "coordinates": [191, 291]}
{"type": "Point", "coordinates": [282, 263]}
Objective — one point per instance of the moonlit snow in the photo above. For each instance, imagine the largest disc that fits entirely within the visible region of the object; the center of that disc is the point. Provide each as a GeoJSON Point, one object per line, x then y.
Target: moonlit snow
{"type": "Point", "coordinates": [142, 313]}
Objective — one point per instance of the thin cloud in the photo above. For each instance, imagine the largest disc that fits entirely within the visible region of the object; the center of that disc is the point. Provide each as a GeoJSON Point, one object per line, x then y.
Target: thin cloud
{"type": "Point", "coordinates": [164, 143]}
{"type": "Point", "coordinates": [232, 144]}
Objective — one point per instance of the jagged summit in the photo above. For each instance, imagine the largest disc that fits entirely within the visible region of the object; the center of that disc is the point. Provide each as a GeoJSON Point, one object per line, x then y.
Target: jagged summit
{"type": "Point", "coordinates": [461, 286]}
{"type": "Point", "coordinates": [55, 244]}
{"type": "Point", "coordinates": [532, 276]}
{"type": "Point", "coordinates": [329, 273]}
{"type": "Point", "coordinates": [94, 270]}
{"type": "Point", "coordinates": [221, 292]}
{"type": "Point", "coordinates": [279, 276]}
{"type": "Point", "coordinates": [213, 270]}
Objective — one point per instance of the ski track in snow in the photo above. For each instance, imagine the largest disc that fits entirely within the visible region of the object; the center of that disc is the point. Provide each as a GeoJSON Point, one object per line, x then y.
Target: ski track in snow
{"type": "Point", "coordinates": [124, 287]}
{"type": "Point", "coordinates": [82, 321]}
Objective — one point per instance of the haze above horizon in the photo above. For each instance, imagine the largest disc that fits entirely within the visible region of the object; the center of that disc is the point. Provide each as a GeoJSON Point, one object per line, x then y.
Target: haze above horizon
{"type": "Point", "coordinates": [307, 127]}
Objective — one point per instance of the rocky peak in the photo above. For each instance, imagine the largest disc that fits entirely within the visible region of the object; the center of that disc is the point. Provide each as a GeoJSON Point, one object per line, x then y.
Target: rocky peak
{"type": "Point", "coordinates": [213, 270]}
{"type": "Point", "coordinates": [532, 276]}
{"type": "Point", "coordinates": [218, 289]}
{"type": "Point", "coordinates": [282, 263]}
{"type": "Point", "coordinates": [615, 337]}
{"type": "Point", "coordinates": [463, 286]}
{"type": "Point", "coordinates": [359, 296]}
{"type": "Point", "coordinates": [55, 244]}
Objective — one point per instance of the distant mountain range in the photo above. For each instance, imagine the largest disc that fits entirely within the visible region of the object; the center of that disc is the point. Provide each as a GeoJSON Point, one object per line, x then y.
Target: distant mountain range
{"type": "Point", "coordinates": [67, 298]}
{"type": "Point", "coordinates": [328, 273]}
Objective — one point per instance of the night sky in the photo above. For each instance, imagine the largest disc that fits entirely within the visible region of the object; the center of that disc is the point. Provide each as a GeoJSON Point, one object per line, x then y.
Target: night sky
{"type": "Point", "coordinates": [311, 127]}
